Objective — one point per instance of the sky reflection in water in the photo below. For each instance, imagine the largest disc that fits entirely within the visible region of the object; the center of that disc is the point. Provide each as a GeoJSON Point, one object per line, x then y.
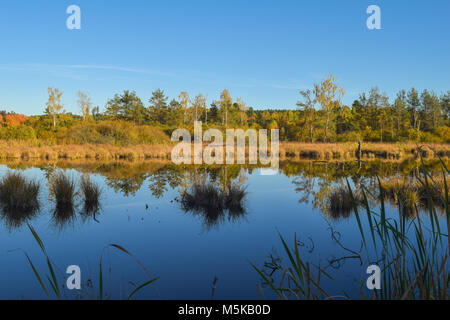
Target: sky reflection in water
{"type": "Point", "coordinates": [231, 218]}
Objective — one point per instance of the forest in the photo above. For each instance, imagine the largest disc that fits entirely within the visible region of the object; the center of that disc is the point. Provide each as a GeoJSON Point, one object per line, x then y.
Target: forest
{"type": "Point", "coordinates": [319, 116]}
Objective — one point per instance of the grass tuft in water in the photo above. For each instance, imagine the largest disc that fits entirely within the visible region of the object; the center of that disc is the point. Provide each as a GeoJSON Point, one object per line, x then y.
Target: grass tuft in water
{"type": "Point", "coordinates": [63, 190]}
{"type": "Point", "coordinates": [91, 193]}
{"type": "Point", "coordinates": [212, 204]}
{"type": "Point", "coordinates": [19, 194]}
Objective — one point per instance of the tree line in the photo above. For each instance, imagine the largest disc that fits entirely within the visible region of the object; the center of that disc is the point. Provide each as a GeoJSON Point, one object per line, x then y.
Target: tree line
{"type": "Point", "coordinates": [320, 115]}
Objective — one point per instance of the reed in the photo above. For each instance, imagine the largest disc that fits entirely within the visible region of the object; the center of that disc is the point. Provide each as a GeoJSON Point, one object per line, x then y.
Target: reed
{"type": "Point", "coordinates": [413, 260]}
{"type": "Point", "coordinates": [54, 289]}
{"type": "Point", "coordinates": [301, 280]}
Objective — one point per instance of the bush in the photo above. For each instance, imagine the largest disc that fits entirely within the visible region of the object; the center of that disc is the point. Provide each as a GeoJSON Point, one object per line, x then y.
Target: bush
{"type": "Point", "coordinates": [351, 136]}
{"type": "Point", "coordinates": [443, 133]}
{"type": "Point", "coordinates": [119, 133]}
{"type": "Point", "coordinates": [21, 132]}
{"type": "Point", "coordinates": [429, 137]}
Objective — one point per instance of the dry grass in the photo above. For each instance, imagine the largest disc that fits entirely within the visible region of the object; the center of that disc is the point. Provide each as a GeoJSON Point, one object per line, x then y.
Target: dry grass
{"type": "Point", "coordinates": [347, 151]}
{"type": "Point", "coordinates": [10, 150]}
{"type": "Point", "coordinates": [15, 150]}
{"type": "Point", "coordinates": [410, 195]}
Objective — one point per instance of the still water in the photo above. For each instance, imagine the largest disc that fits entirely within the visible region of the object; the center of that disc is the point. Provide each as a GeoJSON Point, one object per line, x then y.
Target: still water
{"type": "Point", "coordinates": [187, 249]}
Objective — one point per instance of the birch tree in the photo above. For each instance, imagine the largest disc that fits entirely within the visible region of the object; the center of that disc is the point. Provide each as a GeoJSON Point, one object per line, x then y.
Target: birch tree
{"type": "Point", "coordinates": [54, 105]}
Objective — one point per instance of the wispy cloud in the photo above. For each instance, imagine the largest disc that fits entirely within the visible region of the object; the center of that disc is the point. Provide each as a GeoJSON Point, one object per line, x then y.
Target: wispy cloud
{"type": "Point", "coordinates": [75, 71]}
{"type": "Point", "coordinates": [293, 85]}
{"type": "Point", "coordinates": [121, 69]}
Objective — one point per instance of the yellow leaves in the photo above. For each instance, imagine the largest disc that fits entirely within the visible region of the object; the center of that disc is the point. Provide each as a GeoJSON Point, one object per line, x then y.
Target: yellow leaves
{"type": "Point", "coordinates": [329, 93]}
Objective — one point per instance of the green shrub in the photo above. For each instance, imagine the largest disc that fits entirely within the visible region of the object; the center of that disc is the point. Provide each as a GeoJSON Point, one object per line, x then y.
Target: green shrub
{"type": "Point", "coordinates": [22, 132]}
{"type": "Point", "coordinates": [115, 133]}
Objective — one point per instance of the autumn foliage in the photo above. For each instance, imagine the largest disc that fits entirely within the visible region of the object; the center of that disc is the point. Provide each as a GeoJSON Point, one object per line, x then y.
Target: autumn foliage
{"type": "Point", "coordinates": [13, 120]}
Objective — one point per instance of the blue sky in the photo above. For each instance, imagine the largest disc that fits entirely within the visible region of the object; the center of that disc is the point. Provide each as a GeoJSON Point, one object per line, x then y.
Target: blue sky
{"type": "Point", "coordinates": [262, 51]}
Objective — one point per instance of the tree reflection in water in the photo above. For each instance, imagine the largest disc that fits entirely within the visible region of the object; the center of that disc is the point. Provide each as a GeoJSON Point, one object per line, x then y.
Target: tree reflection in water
{"type": "Point", "coordinates": [404, 186]}
{"type": "Point", "coordinates": [217, 193]}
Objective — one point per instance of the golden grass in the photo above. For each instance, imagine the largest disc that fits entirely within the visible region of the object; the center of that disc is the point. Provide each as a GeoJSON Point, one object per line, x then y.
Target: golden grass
{"type": "Point", "coordinates": [347, 151]}
{"type": "Point", "coordinates": [20, 151]}
{"type": "Point", "coordinates": [15, 150]}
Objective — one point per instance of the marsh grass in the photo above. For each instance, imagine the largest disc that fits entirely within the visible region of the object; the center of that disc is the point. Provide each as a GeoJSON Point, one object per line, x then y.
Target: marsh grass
{"type": "Point", "coordinates": [63, 193]}
{"type": "Point", "coordinates": [19, 199]}
{"type": "Point", "coordinates": [63, 190]}
{"type": "Point", "coordinates": [412, 256]}
{"type": "Point", "coordinates": [301, 280]}
{"type": "Point", "coordinates": [12, 150]}
{"type": "Point", "coordinates": [91, 193]}
{"type": "Point", "coordinates": [411, 194]}
{"type": "Point", "coordinates": [52, 287]}
{"type": "Point", "coordinates": [213, 204]}
{"type": "Point", "coordinates": [18, 193]}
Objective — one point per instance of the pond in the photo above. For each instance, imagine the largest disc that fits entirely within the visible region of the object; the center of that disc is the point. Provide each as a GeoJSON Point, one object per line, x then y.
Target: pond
{"type": "Point", "coordinates": [197, 251]}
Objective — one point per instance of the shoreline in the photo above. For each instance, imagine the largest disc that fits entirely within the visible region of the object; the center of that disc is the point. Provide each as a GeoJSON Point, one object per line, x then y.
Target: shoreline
{"type": "Point", "coordinates": [13, 151]}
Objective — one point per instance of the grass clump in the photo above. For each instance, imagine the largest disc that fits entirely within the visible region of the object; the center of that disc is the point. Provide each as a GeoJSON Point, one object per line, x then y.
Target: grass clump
{"type": "Point", "coordinates": [203, 198]}
{"type": "Point", "coordinates": [91, 193]}
{"type": "Point", "coordinates": [18, 194]}
{"type": "Point", "coordinates": [63, 189]}
{"type": "Point", "coordinates": [212, 203]}
{"type": "Point", "coordinates": [19, 198]}
{"type": "Point", "coordinates": [63, 192]}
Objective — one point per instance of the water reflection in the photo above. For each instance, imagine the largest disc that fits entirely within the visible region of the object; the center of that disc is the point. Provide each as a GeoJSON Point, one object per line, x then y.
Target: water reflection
{"type": "Point", "coordinates": [217, 194]}
{"type": "Point", "coordinates": [408, 187]}
{"type": "Point", "coordinates": [19, 199]}
{"type": "Point", "coordinates": [14, 218]}
{"type": "Point", "coordinates": [213, 204]}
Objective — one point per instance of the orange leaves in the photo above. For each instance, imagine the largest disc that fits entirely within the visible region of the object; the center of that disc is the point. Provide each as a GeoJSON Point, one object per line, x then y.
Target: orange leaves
{"type": "Point", "coordinates": [13, 120]}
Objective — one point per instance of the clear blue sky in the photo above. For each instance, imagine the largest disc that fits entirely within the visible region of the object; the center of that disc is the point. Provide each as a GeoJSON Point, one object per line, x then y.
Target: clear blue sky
{"type": "Point", "coordinates": [262, 51]}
